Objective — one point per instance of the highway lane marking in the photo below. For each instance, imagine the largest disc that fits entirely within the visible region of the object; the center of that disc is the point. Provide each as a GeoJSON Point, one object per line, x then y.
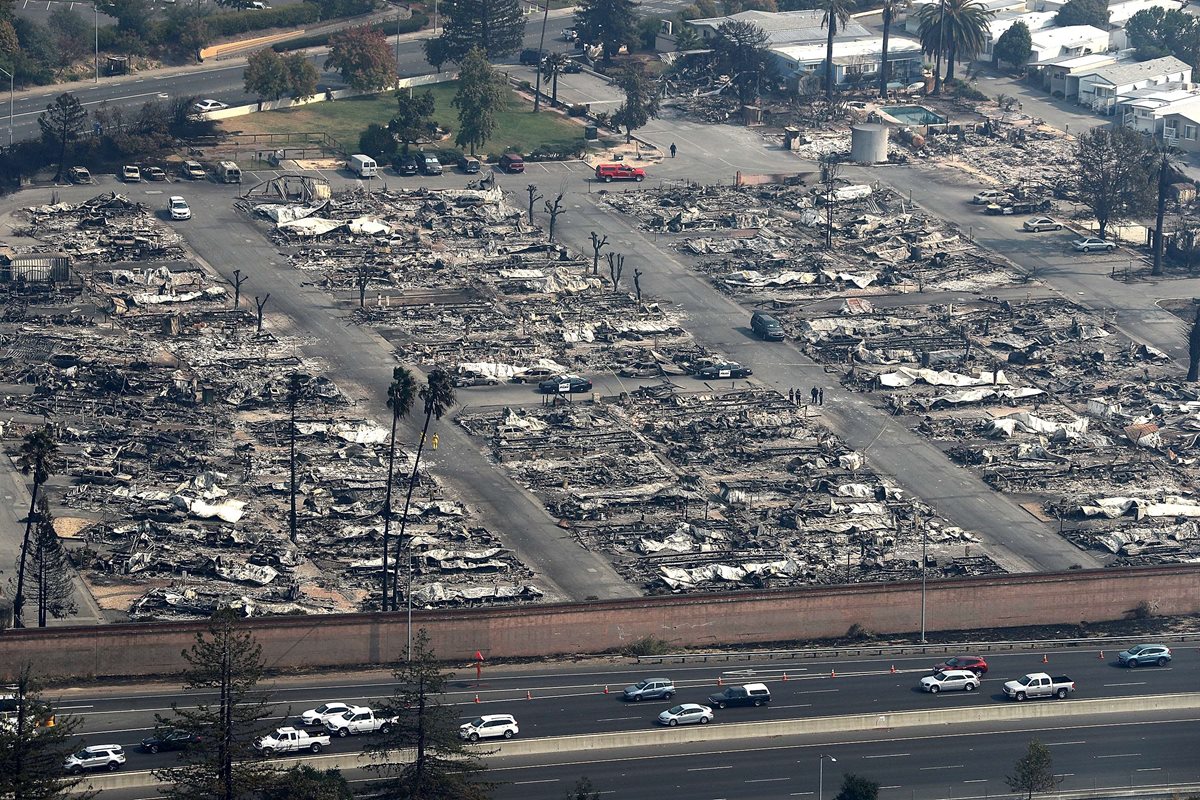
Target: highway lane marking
{"type": "Point", "coordinates": [1148, 769]}
{"type": "Point", "coordinates": [806, 794]}
{"type": "Point", "coordinates": [977, 780]}
{"type": "Point", "coordinates": [708, 769]}
{"type": "Point", "coordinates": [616, 719]}
{"type": "Point", "coordinates": [1063, 744]}
{"type": "Point", "coordinates": [71, 708]}
{"type": "Point", "coordinates": [797, 705]}
{"type": "Point", "coordinates": [1121, 755]}
{"type": "Point", "coordinates": [766, 780]}
{"type": "Point", "coordinates": [1135, 683]}
{"type": "Point", "coordinates": [890, 755]}
{"type": "Point", "coordinates": [527, 783]}
{"type": "Point", "coordinates": [896, 786]}
{"type": "Point", "coordinates": [948, 766]}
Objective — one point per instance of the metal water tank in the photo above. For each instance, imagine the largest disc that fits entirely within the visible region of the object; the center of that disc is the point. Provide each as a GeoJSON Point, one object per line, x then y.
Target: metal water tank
{"type": "Point", "coordinates": [868, 144]}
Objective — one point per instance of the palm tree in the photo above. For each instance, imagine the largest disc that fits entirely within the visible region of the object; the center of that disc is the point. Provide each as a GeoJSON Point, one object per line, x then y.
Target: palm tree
{"type": "Point", "coordinates": [438, 395]}
{"type": "Point", "coordinates": [889, 14]}
{"type": "Point", "coordinates": [554, 64]}
{"type": "Point", "coordinates": [401, 394]}
{"type": "Point", "coordinates": [837, 15]}
{"type": "Point", "coordinates": [37, 455]}
{"type": "Point", "coordinates": [959, 28]}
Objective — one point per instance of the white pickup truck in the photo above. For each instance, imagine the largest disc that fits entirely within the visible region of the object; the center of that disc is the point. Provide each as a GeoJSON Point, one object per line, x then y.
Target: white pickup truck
{"type": "Point", "coordinates": [359, 719]}
{"type": "Point", "coordinates": [1039, 684]}
{"type": "Point", "coordinates": [290, 740]}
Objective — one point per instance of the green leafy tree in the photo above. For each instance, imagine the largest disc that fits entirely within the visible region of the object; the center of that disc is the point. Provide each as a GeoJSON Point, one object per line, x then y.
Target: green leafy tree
{"type": "Point", "coordinates": [1083, 12]}
{"type": "Point", "coordinates": [1015, 45]}
{"type": "Point", "coordinates": [305, 783]}
{"type": "Point", "coordinates": [377, 142]}
{"type": "Point", "coordinates": [611, 23]}
{"type": "Point", "coordinates": [856, 787]}
{"type": "Point", "coordinates": [686, 38]}
{"type": "Point", "coordinates": [966, 33]}
{"type": "Point", "coordinates": [552, 67]}
{"type": "Point", "coordinates": [481, 94]}
{"type": "Point", "coordinates": [442, 764]}
{"type": "Point", "coordinates": [265, 75]}
{"type": "Point", "coordinates": [888, 12]}
{"type": "Point", "coordinates": [363, 58]}
{"type": "Point", "coordinates": [34, 742]}
{"type": "Point", "coordinates": [1033, 772]}
{"type": "Point", "coordinates": [133, 16]}
{"type": "Point", "coordinates": [641, 102]}
{"type": "Point", "coordinates": [495, 26]}
{"type": "Point", "coordinates": [836, 16]}
{"type": "Point", "coordinates": [1116, 173]}
{"type": "Point", "coordinates": [741, 49]}
{"type": "Point", "coordinates": [302, 76]}
{"type": "Point", "coordinates": [226, 663]}
{"type": "Point", "coordinates": [61, 123]}
{"type": "Point", "coordinates": [402, 393]}
{"type": "Point", "coordinates": [1157, 32]}
{"type": "Point", "coordinates": [437, 395]}
{"type": "Point", "coordinates": [38, 457]}
{"type": "Point", "coordinates": [411, 124]}
{"type": "Point", "coordinates": [71, 34]}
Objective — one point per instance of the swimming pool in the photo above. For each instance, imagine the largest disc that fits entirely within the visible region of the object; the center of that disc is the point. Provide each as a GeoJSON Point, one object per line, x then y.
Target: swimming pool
{"type": "Point", "coordinates": [911, 115]}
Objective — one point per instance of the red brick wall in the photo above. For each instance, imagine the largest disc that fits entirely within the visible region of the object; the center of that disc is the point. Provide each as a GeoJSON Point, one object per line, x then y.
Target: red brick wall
{"type": "Point", "coordinates": [684, 621]}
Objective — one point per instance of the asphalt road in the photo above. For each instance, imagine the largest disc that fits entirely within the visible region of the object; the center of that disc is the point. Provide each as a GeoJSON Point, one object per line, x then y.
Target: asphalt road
{"type": "Point", "coordinates": [569, 699]}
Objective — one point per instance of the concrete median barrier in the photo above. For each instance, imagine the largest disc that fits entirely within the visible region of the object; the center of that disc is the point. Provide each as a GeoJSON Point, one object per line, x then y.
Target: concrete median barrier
{"type": "Point", "coordinates": [1001, 711]}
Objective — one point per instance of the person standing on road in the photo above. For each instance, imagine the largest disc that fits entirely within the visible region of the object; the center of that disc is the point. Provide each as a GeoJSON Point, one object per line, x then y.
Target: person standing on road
{"type": "Point", "coordinates": [791, 396]}
{"type": "Point", "coordinates": [820, 397]}
{"type": "Point", "coordinates": [813, 394]}
{"type": "Point", "coordinates": [672, 149]}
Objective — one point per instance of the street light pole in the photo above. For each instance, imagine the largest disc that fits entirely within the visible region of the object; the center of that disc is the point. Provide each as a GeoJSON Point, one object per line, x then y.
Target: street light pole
{"type": "Point", "coordinates": [924, 564]}
{"type": "Point", "coordinates": [96, 14]}
{"type": "Point", "coordinates": [821, 774]}
{"type": "Point", "coordinates": [10, 105]}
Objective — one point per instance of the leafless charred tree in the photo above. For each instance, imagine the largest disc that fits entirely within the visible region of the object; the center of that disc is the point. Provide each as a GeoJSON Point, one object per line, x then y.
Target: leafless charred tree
{"type": "Point", "coordinates": [533, 198]}
{"type": "Point", "coordinates": [260, 305]}
{"type": "Point", "coordinates": [637, 284]}
{"type": "Point", "coordinates": [616, 265]}
{"type": "Point", "coordinates": [554, 210]}
{"type": "Point", "coordinates": [1194, 350]}
{"type": "Point", "coordinates": [361, 281]}
{"type": "Point", "coordinates": [238, 280]}
{"type": "Point", "coordinates": [598, 244]}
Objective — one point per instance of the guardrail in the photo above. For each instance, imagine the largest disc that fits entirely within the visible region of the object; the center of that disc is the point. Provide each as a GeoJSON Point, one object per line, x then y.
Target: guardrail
{"type": "Point", "coordinates": [1097, 642]}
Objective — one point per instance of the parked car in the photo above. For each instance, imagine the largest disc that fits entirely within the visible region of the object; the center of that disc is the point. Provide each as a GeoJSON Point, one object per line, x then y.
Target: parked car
{"type": "Point", "coordinates": [619, 172]}
{"type": "Point", "coordinates": [179, 208]}
{"type": "Point", "coordinates": [972, 663]}
{"type": "Point", "coordinates": [531, 57]}
{"type": "Point", "coordinates": [571, 67]}
{"type": "Point", "coordinates": [469, 164]}
{"type": "Point", "coordinates": [1009, 206]}
{"type": "Point", "coordinates": [565, 384]}
{"type": "Point", "coordinates": [131, 174]}
{"type": "Point", "coordinates": [650, 689]}
{"type": "Point", "coordinates": [204, 106]}
{"type": "Point", "coordinates": [569, 34]}
{"type": "Point", "coordinates": [988, 196]}
{"type": "Point", "coordinates": [169, 739]}
{"type": "Point", "coordinates": [767, 327]}
{"type": "Point", "coordinates": [1039, 684]}
{"type": "Point", "coordinates": [290, 740]}
{"type": "Point", "coordinates": [360, 719]}
{"type": "Point", "coordinates": [727, 370]}
{"type": "Point", "coordinates": [93, 757]}
{"type": "Point", "coordinates": [474, 379]}
{"type": "Point", "coordinates": [489, 726]}
{"type": "Point", "coordinates": [512, 163]}
{"type": "Point", "coordinates": [1039, 224]}
{"type": "Point", "coordinates": [406, 165]}
{"type": "Point", "coordinates": [1093, 243]}
{"type": "Point", "coordinates": [153, 173]}
{"type": "Point", "coordinates": [430, 164]}
{"type": "Point", "coordinates": [193, 171]}
{"type": "Point", "coordinates": [752, 694]}
{"type": "Point", "coordinates": [533, 374]}
{"type": "Point", "coordinates": [1142, 654]}
{"type": "Point", "coordinates": [318, 715]}
{"type": "Point", "coordinates": [950, 680]}
{"type": "Point", "coordinates": [686, 714]}
{"type": "Point", "coordinates": [79, 175]}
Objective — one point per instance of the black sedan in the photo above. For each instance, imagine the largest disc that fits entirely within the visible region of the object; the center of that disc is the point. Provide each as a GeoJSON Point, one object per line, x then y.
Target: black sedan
{"type": "Point", "coordinates": [565, 384]}
{"type": "Point", "coordinates": [726, 370]}
{"type": "Point", "coordinates": [406, 165]}
{"type": "Point", "coordinates": [169, 739]}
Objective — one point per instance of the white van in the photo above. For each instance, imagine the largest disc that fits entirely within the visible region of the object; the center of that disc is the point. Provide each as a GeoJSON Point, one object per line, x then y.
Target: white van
{"type": "Point", "coordinates": [229, 172]}
{"type": "Point", "coordinates": [362, 166]}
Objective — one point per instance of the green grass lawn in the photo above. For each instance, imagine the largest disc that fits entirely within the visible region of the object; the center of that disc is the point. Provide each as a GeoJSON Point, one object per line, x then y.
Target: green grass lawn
{"type": "Point", "coordinates": [517, 127]}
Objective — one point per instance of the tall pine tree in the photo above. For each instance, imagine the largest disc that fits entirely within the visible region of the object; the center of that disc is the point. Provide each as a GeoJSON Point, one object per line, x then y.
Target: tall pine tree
{"type": "Point", "coordinates": [33, 744]}
{"type": "Point", "coordinates": [611, 23]}
{"type": "Point", "coordinates": [495, 26]}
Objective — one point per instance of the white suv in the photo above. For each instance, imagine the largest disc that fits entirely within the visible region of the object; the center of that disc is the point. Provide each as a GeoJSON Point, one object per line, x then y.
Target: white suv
{"type": "Point", "coordinates": [950, 680]}
{"type": "Point", "coordinates": [489, 726]}
{"type": "Point", "coordinates": [97, 756]}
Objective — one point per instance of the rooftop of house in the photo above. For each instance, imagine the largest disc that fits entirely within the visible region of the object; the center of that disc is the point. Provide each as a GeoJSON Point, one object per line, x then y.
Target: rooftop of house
{"type": "Point", "coordinates": [786, 27]}
{"type": "Point", "coordinates": [1132, 72]}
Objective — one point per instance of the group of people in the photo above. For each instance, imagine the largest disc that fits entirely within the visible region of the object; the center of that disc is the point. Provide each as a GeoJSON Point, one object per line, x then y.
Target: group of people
{"type": "Point", "coordinates": [816, 396]}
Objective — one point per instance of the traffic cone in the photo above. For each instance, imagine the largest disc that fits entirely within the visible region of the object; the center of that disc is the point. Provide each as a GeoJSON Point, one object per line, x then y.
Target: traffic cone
{"type": "Point", "coordinates": [893, 669]}
{"type": "Point", "coordinates": [785, 676]}
{"type": "Point", "coordinates": [1101, 656]}
{"type": "Point", "coordinates": [606, 688]}
{"type": "Point", "coordinates": [833, 673]}
{"type": "Point", "coordinates": [1044, 659]}
{"type": "Point", "coordinates": [719, 681]}
{"type": "Point", "coordinates": [476, 698]}
{"type": "Point", "coordinates": [528, 695]}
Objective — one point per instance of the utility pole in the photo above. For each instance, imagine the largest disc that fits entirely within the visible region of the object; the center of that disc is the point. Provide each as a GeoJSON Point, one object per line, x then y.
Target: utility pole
{"type": "Point", "coordinates": [537, 89]}
{"type": "Point", "coordinates": [1158, 221]}
{"type": "Point", "coordinates": [924, 565]}
{"type": "Point", "coordinates": [96, 16]}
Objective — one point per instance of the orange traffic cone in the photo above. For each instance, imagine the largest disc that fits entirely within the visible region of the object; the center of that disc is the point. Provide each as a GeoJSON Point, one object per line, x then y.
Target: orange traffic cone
{"type": "Point", "coordinates": [832, 673]}
{"type": "Point", "coordinates": [719, 681]}
{"type": "Point", "coordinates": [1044, 659]}
{"type": "Point", "coordinates": [476, 698]}
{"type": "Point", "coordinates": [606, 688]}
{"type": "Point", "coordinates": [893, 669]}
{"type": "Point", "coordinates": [785, 676]}
{"type": "Point", "coordinates": [528, 695]}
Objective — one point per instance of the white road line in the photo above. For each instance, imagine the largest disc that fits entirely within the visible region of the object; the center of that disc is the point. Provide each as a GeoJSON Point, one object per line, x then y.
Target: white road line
{"type": "Point", "coordinates": [977, 780]}
{"type": "Point", "coordinates": [948, 766]}
{"type": "Point", "coordinates": [72, 708]}
{"type": "Point", "coordinates": [1121, 755]}
{"type": "Point", "coordinates": [707, 769]}
{"type": "Point", "coordinates": [615, 719]}
{"type": "Point", "coordinates": [890, 755]}
{"type": "Point", "coordinates": [896, 786]}
{"type": "Point", "coordinates": [798, 705]}
{"type": "Point", "coordinates": [527, 783]}
{"type": "Point", "coordinates": [1148, 769]}
{"type": "Point", "coordinates": [1135, 683]}
{"type": "Point", "coordinates": [1063, 744]}
{"type": "Point", "coordinates": [767, 780]}
{"type": "Point", "coordinates": [805, 794]}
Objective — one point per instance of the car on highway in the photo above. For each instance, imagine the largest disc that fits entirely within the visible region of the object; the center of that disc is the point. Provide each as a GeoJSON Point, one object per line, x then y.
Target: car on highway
{"type": "Point", "coordinates": [949, 681]}
{"type": "Point", "coordinates": [728, 369]}
{"type": "Point", "coordinates": [973, 663]}
{"type": "Point", "coordinates": [686, 714]}
{"type": "Point", "coordinates": [619, 172]}
{"type": "Point", "coordinates": [533, 374]}
{"type": "Point", "coordinates": [94, 757]}
{"type": "Point", "coordinates": [988, 196]}
{"type": "Point", "coordinates": [193, 171]}
{"type": "Point", "coordinates": [1093, 243]}
{"type": "Point", "coordinates": [1039, 224]}
{"type": "Point", "coordinates": [290, 740]}
{"type": "Point", "coordinates": [406, 165]}
{"type": "Point", "coordinates": [489, 726]}
{"type": "Point", "coordinates": [1142, 654]}
{"type": "Point", "coordinates": [169, 739]}
{"type": "Point", "coordinates": [650, 689]}
{"type": "Point", "coordinates": [324, 712]}
{"type": "Point", "coordinates": [179, 208]}
{"type": "Point", "coordinates": [360, 719]}
{"type": "Point", "coordinates": [1039, 684]}
{"type": "Point", "coordinates": [204, 106]}
{"type": "Point", "coordinates": [751, 694]}
{"type": "Point", "coordinates": [131, 174]}
{"type": "Point", "coordinates": [79, 175]}
{"type": "Point", "coordinates": [565, 384]}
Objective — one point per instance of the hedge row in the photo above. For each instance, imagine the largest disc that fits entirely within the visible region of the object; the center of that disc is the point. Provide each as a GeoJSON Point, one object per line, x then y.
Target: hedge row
{"type": "Point", "coordinates": [229, 23]}
{"type": "Point", "coordinates": [413, 23]}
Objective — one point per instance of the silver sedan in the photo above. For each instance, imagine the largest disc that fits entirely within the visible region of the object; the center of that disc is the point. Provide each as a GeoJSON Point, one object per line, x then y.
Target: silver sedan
{"type": "Point", "coordinates": [686, 714]}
